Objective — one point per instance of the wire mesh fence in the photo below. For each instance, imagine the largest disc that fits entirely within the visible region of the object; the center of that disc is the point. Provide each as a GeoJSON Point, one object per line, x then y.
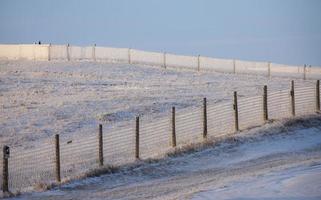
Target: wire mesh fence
{"type": "Point", "coordinates": [31, 167]}
{"type": "Point", "coordinates": [220, 119]}
{"type": "Point", "coordinates": [251, 112]}
{"type": "Point", "coordinates": [155, 137]}
{"type": "Point", "coordinates": [71, 157]}
{"type": "Point", "coordinates": [279, 104]}
{"type": "Point", "coordinates": [119, 146]}
{"type": "Point", "coordinates": [78, 156]}
{"type": "Point", "coordinates": [161, 59]}
{"type": "Point", "coordinates": [189, 126]}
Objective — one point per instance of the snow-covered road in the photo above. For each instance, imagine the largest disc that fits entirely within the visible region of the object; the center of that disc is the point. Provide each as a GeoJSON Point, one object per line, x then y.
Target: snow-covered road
{"type": "Point", "coordinates": [279, 161]}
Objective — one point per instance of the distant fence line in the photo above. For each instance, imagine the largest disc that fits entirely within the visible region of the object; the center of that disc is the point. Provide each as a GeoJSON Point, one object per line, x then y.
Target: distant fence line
{"type": "Point", "coordinates": [165, 60]}
{"type": "Point", "coordinates": [61, 158]}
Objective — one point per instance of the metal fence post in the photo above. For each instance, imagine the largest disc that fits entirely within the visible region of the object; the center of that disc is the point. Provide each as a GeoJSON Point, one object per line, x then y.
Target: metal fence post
{"type": "Point", "coordinates": [5, 169]}
{"type": "Point", "coordinates": [292, 98]}
{"type": "Point", "coordinates": [304, 71]}
{"type": "Point", "coordinates": [173, 128]}
{"type": "Point", "coordinates": [137, 138]}
{"type": "Point", "coordinates": [204, 118]}
{"type": "Point", "coordinates": [236, 112]}
{"type": "Point", "coordinates": [57, 148]}
{"type": "Point", "coordinates": [100, 145]}
{"type": "Point", "coordinates": [318, 95]}
{"type": "Point", "coordinates": [265, 104]}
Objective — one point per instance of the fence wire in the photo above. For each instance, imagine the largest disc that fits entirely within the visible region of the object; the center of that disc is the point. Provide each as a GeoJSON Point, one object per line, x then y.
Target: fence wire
{"type": "Point", "coordinates": [78, 155]}
{"type": "Point", "coordinates": [155, 137]}
{"type": "Point", "coordinates": [189, 126]}
{"type": "Point", "coordinates": [119, 146]}
{"type": "Point", "coordinates": [32, 167]}
{"type": "Point", "coordinates": [305, 100]}
{"type": "Point", "coordinates": [220, 119]}
{"type": "Point", "coordinates": [250, 112]}
{"type": "Point", "coordinates": [279, 104]}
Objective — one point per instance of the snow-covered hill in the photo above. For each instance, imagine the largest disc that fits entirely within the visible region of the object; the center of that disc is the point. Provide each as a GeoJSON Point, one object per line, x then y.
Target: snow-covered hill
{"type": "Point", "coordinates": [40, 99]}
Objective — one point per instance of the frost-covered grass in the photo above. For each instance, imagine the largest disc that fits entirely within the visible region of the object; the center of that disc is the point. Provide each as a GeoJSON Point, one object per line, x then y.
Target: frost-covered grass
{"type": "Point", "coordinates": [40, 99]}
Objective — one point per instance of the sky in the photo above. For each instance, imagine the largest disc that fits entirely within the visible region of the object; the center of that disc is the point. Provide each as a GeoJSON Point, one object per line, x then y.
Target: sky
{"type": "Point", "coordinates": [280, 31]}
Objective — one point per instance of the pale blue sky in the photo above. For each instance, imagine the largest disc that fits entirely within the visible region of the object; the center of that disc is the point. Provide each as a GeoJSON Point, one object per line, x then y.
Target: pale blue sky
{"type": "Point", "coordinates": [282, 31]}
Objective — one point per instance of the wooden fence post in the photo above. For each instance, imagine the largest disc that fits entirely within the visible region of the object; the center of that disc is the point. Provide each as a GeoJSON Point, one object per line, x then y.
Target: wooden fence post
{"type": "Point", "coordinates": [164, 60]}
{"type": "Point", "coordinates": [318, 95]}
{"type": "Point", "coordinates": [57, 148]}
{"type": "Point", "coordinates": [198, 63]}
{"type": "Point", "coordinates": [265, 104]}
{"type": "Point", "coordinates": [204, 119]}
{"type": "Point", "coordinates": [292, 98]}
{"type": "Point", "coordinates": [94, 53]}
{"type": "Point", "coordinates": [5, 169]}
{"type": "Point", "coordinates": [236, 112]}
{"type": "Point", "coordinates": [173, 128]}
{"type": "Point", "coordinates": [137, 138]}
{"type": "Point", "coordinates": [100, 146]}
{"type": "Point", "coordinates": [304, 71]}
{"type": "Point", "coordinates": [68, 55]}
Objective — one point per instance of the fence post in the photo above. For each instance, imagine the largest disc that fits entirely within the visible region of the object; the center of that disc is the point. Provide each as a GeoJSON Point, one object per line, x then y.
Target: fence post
{"type": "Point", "coordinates": [57, 148]}
{"type": "Point", "coordinates": [304, 72]}
{"type": "Point", "coordinates": [204, 118]}
{"type": "Point", "coordinates": [94, 53]}
{"type": "Point", "coordinates": [100, 145]}
{"type": "Point", "coordinates": [292, 98]}
{"type": "Point", "coordinates": [164, 59]}
{"type": "Point", "coordinates": [318, 95]}
{"type": "Point", "coordinates": [129, 58]}
{"type": "Point", "coordinates": [68, 56]}
{"type": "Point", "coordinates": [173, 128]}
{"type": "Point", "coordinates": [198, 63]}
{"type": "Point", "coordinates": [49, 53]}
{"type": "Point", "coordinates": [137, 138]}
{"type": "Point", "coordinates": [5, 169]}
{"type": "Point", "coordinates": [236, 112]}
{"type": "Point", "coordinates": [265, 104]}
{"type": "Point", "coordinates": [234, 66]}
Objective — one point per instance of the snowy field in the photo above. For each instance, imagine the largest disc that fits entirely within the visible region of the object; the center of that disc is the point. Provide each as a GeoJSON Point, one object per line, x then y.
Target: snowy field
{"type": "Point", "coordinates": [279, 161]}
{"type": "Point", "coordinates": [40, 99]}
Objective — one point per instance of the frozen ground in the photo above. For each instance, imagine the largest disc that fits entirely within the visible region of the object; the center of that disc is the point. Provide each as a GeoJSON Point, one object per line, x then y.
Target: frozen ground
{"type": "Point", "coordinates": [40, 99]}
{"type": "Point", "coordinates": [279, 161]}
